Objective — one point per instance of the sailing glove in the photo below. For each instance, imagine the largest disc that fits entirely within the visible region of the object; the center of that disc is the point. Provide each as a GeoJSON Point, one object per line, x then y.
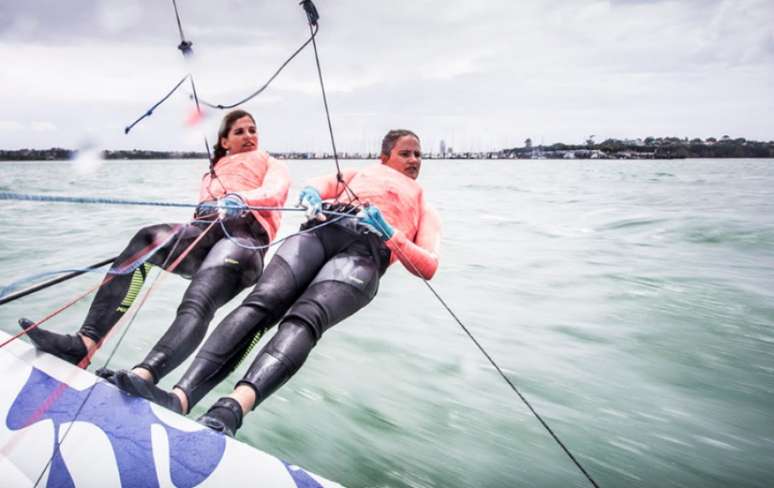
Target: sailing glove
{"type": "Point", "coordinates": [372, 218]}
{"type": "Point", "coordinates": [309, 198]}
{"type": "Point", "coordinates": [232, 205]}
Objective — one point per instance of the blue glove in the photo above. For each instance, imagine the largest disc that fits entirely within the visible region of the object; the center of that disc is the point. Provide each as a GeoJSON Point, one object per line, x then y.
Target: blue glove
{"type": "Point", "coordinates": [309, 198]}
{"type": "Point", "coordinates": [372, 218]}
{"type": "Point", "coordinates": [232, 205]}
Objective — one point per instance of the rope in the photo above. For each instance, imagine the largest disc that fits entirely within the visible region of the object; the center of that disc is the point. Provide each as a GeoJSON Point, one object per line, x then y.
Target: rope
{"type": "Point", "coordinates": [404, 259]}
{"type": "Point", "coordinates": [119, 270]}
{"type": "Point", "coordinates": [199, 113]}
{"type": "Point", "coordinates": [312, 16]}
{"type": "Point", "coordinates": [312, 21]}
{"type": "Point", "coordinates": [268, 82]}
{"type": "Point", "coordinates": [149, 112]}
{"type": "Point", "coordinates": [339, 178]}
{"type": "Point", "coordinates": [279, 241]}
{"type": "Point", "coordinates": [93, 350]}
{"type": "Point", "coordinates": [117, 201]}
{"type": "Point", "coordinates": [151, 250]}
{"type": "Point", "coordinates": [185, 46]}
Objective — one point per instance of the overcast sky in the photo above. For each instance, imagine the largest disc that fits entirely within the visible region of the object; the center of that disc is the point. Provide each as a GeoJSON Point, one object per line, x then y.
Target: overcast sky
{"type": "Point", "coordinates": [478, 74]}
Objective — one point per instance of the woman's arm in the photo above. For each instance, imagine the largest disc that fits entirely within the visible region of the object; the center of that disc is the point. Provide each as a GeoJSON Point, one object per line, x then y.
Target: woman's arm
{"type": "Point", "coordinates": [273, 192]}
{"type": "Point", "coordinates": [421, 256]}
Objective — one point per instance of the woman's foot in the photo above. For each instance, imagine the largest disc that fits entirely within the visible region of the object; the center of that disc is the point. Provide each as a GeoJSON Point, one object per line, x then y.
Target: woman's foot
{"type": "Point", "coordinates": [137, 386]}
{"type": "Point", "coordinates": [69, 347]}
{"type": "Point", "coordinates": [224, 416]}
{"type": "Point", "coordinates": [107, 374]}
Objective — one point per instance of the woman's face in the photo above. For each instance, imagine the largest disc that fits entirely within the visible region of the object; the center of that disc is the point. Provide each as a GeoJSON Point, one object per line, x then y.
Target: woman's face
{"type": "Point", "coordinates": [242, 137]}
{"type": "Point", "coordinates": [406, 157]}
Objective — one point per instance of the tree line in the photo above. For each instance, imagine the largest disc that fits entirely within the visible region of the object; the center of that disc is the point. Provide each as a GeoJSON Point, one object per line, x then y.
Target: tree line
{"type": "Point", "coordinates": [659, 148]}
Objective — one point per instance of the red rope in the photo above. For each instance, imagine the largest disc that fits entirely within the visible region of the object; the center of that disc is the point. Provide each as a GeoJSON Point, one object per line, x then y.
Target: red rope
{"type": "Point", "coordinates": [170, 269]}
{"type": "Point", "coordinates": [57, 393]}
{"type": "Point", "coordinates": [141, 253]}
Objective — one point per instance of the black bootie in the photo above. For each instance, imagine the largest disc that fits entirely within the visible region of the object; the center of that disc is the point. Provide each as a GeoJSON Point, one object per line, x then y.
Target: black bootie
{"type": "Point", "coordinates": [224, 416]}
{"type": "Point", "coordinates": [137, 386]}
{"type": "Point", "coordinates": [69, 347]}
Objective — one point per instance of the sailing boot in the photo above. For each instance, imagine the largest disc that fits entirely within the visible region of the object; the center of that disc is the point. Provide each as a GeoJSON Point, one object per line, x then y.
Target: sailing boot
{"type": "Point", "coordinates": [69, 347]}
{"type": "Point", "coordinates": [224, 416]}
{"type": "Point", "coordinates": [107, 374]}
{"type": "Point", "coordinates": [137, 386]}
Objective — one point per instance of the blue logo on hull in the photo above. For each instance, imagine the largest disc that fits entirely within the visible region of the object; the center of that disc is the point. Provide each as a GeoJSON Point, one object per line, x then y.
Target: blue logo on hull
{"type": "Point", "coordinates": [127, 423]}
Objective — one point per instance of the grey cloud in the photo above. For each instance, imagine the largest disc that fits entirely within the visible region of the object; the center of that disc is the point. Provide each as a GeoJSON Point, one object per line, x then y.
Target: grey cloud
{"type": "Point", "coordinates": [500, 69]}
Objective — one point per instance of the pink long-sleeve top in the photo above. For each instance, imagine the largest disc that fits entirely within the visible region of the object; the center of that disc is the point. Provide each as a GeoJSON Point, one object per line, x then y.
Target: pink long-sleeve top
{"type": "Point", "coordinates": [261, 180]}
{"type": "Point", "coordinates": [402, 202]}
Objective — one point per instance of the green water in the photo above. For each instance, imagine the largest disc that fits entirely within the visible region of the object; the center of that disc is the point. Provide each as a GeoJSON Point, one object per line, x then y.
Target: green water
{"type": "Point", "coordinates": [631, 302]}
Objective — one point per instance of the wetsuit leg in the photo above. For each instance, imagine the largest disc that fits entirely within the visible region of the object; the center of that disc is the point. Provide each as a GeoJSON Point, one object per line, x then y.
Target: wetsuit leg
{"type": "Point", "coordinates": [347, 283]}
{"type": "Point", "coordinates": [344, 285]}
{"type": "Point", "coordinates": [113, 298]}
{"type": "Point", "coordinates": [279, 359]}
{"type": "Point", "coordinates": [118, 291]}
{"type": "Point", "coordinates": [229, 267]}
{"type": "Point", "coordinates": [285, 277]}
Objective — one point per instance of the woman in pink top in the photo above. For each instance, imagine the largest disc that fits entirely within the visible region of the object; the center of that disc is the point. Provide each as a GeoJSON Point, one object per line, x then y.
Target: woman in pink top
{"type": "Point", "coordinates": [316, 279]}
{"type": "Point", "coordinates": [220, 265]}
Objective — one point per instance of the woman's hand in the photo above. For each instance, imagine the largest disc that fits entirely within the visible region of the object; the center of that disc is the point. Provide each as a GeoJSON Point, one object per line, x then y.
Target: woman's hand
{"type": "Point", "coordinates": [309, 198]}
{"type": "Point", "coordinates": [232, 205]}
{"type": "Point", "coordinates": [372, 218]}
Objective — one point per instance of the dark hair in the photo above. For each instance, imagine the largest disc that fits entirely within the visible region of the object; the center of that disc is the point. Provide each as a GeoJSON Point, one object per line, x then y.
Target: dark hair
{"type": "Point", "coordinates": [392, 137]}
{"type": "Point", "coordinates": [225, 127]}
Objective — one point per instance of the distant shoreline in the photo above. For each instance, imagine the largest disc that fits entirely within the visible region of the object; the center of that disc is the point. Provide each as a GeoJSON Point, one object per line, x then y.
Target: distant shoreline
{"type": "Point", "coordinates": [648, 148]}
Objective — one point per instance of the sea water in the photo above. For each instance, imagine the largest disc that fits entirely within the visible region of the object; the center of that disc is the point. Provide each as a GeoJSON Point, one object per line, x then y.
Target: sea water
{"type": "Point", "coordinates": [631, 302]}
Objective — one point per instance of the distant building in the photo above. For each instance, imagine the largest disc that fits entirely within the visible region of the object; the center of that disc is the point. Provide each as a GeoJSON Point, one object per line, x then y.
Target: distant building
{"type": "Point", "coordinates": [443, 148]}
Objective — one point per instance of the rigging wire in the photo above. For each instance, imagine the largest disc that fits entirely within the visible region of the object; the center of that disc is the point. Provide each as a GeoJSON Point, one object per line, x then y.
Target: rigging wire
{"type": "Point", "coordinates": [312, 17]}
{"type": "Point", "coordinates": [137, 257]}
{"type": "Point", "coordinates": [133, 265]}
{"type": "Point", "coordinates": [263, 87]}
{"type": "Point", "coordinates": [338, 215]}
{"type": "Point", "coordinates": [219, 106]}
{"type": "Point", "coordinates": [6, 195]}
{"type": "Point", "coordinates": [404, 259]}
{"type": "Point", "coordinates": [149, 112]}
{"type": "Point", "coordinates": [185, 46]}
{"type": "Point", "coordinates": [198, 114]}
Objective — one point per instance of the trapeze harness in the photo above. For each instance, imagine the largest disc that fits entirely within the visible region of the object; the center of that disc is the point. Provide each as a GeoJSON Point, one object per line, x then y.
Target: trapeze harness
{"type": "Point", "coordinates": [317, 279]}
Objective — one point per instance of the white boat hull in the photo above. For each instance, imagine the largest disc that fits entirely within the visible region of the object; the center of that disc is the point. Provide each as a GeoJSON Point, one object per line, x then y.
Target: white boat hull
{"type": "Point", "coordinates": [63, 427]}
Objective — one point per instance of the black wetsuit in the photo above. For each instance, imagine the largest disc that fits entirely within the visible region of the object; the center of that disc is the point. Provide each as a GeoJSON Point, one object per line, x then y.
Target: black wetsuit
{"type": "Point", "coordinates": [315, 280]}
{"type": "Point", "coordinates": [218, 266]}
